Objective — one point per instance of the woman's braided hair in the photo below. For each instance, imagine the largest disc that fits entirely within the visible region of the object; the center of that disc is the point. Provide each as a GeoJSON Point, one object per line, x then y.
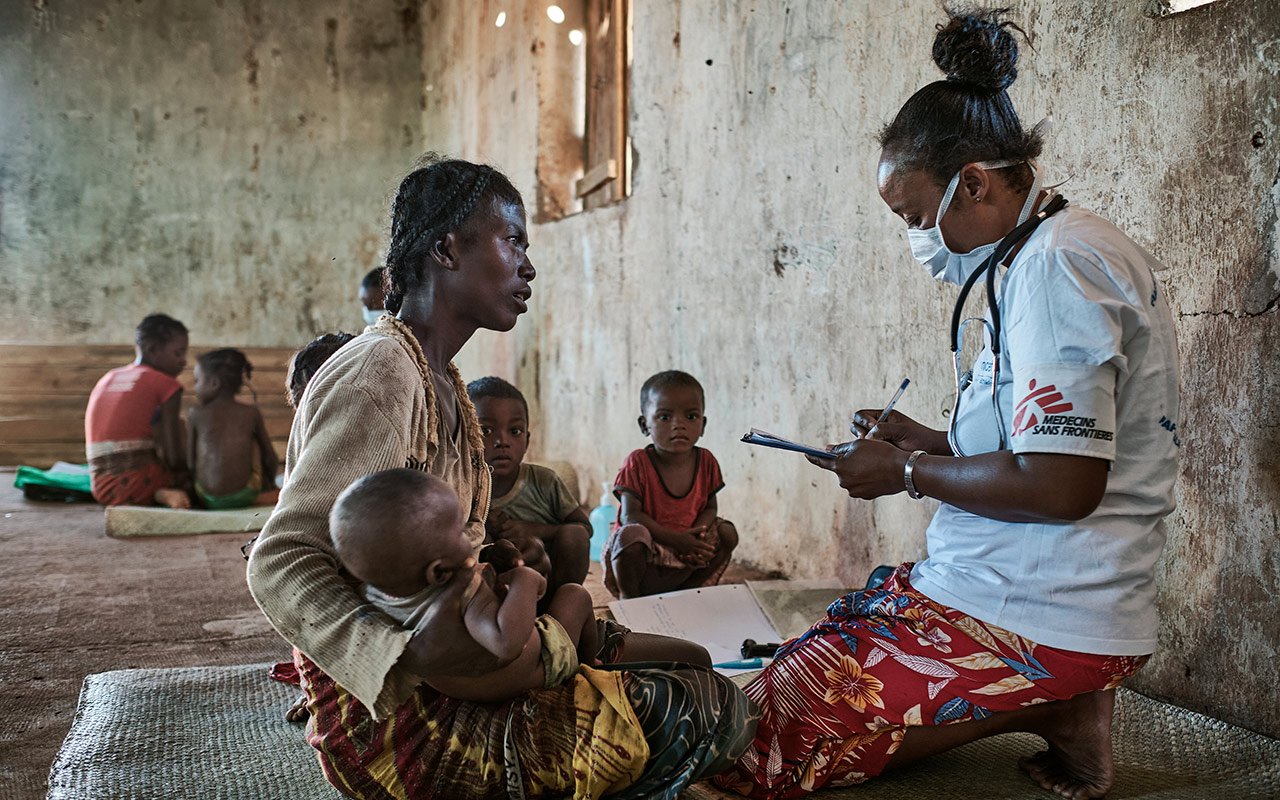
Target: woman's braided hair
{"type": "Point", "coordinates": [439, 197]}
{"type": "Point", "coordinates": [968, 116]}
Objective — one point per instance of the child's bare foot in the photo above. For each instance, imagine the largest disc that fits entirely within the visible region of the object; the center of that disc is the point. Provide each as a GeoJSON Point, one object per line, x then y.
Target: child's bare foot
{"type": "Point", "coordinates": [298, 712]}
{"type": "Point", "coordinates": [172, 498]}
{"type": "Point", "coordinates": [1078, 764]}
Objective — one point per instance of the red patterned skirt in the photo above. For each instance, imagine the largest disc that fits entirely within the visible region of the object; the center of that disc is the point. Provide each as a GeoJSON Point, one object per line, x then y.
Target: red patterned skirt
{"type": "Point", "coordinates": [128, 478]}
{"type": "Point", "coordinates": [837, 700]}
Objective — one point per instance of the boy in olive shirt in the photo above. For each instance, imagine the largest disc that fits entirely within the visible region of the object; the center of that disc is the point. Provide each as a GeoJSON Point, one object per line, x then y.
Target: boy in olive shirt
{"type": "Point", "coordinates": [531, 507]}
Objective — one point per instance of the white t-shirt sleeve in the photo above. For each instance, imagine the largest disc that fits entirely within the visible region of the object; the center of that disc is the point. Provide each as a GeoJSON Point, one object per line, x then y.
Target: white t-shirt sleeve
{"type": "Point", "coordinates": [1064, 336]}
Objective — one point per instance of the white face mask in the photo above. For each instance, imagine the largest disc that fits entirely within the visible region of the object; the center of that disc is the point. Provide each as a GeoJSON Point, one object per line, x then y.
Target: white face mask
{"type": "Point", "coordinates": [371, 315]}
{"type": "Point", "coordinates": [930, 249]}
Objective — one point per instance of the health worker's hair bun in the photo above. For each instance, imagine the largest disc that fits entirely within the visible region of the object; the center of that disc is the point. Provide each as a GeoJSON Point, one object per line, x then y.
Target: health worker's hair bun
{"type": "Point", "coordinates": [976, 48]}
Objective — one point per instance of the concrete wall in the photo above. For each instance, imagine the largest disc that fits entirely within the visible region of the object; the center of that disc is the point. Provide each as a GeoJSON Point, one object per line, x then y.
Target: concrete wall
{"type": "Point", "coordinates": [225, 162]}
{"type": "Point", "coordinates": [755, 254]}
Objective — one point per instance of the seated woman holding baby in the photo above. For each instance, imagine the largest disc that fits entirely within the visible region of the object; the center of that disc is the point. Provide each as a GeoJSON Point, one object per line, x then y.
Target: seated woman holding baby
{"type": "Point", "coordinates": [391, 398]}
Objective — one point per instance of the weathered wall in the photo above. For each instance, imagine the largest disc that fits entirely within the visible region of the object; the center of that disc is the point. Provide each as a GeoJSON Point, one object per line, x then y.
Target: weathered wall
{"type": "Point", "coordinates": [225, 162]}
{"type": "Point", "coordinates": [755, 253]}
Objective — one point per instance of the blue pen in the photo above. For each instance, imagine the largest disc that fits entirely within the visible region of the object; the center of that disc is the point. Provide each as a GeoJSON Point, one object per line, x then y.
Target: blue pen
{"type": "Point", "coordinates": [746, 663]}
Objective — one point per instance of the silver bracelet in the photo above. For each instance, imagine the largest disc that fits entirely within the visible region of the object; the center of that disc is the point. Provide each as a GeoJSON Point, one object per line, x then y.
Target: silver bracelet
{"type": "Point", "coordinates": [906, 474]}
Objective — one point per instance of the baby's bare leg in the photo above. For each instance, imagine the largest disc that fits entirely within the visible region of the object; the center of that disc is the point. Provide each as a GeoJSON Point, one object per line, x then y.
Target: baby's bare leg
{"type": "Point", "coordinates": [639, 647]}
{"type": "Point", "coordinates": [571, 607]}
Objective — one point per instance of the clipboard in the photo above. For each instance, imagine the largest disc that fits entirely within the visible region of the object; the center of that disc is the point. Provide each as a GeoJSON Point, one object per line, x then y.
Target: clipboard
{"type": "Point", "coordinates": [766, 439]}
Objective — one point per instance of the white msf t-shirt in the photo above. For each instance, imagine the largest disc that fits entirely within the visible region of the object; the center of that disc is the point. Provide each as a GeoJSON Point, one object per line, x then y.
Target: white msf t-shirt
{"type": "Point", "coordinates": [1089, 367]}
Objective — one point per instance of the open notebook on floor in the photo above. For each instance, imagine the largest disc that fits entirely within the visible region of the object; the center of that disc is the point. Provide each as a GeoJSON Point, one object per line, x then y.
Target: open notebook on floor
{"type": "Point", "coordinates": [720, 617]}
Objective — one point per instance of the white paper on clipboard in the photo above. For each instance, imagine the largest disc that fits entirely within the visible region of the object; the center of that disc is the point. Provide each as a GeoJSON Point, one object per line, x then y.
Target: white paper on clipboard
{"type": "Point", "coordinates": [717, 617]}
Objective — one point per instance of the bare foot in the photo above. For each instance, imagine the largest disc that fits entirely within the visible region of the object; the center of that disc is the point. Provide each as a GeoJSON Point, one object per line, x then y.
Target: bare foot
{"type": "Point", "coordinates": [298, 712]}
{"type": "Point", "coordinates": [1078, 764]}
{"type": "Point", "coordinates": [172, 498]}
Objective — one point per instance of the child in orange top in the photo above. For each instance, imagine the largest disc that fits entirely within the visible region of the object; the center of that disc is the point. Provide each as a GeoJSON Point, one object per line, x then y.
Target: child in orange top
{"type": "Point", "coordinates": [668, 535]}
{"type": "Point", "coordinates": [231, 455]}
{"type": "Point", "coordinates": [133, 424]}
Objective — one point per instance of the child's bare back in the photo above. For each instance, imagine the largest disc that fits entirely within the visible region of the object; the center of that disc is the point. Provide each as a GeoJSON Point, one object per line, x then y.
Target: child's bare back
{"type": "Point", "coordinates": [401, 533]}
{"type": "Point", "coordinates": [228, 440]}
{"type": "Point", "coordinates": [225, 446]}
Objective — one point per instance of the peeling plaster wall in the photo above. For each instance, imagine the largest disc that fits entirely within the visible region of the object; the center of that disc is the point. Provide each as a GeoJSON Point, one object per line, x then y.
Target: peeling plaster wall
{"type": "Point", "coordinates": [227, 163]}
{"type": "Point", "coordinates": [755, 254]}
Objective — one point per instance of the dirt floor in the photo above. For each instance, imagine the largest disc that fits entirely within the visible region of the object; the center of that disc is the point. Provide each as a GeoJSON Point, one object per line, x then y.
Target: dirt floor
{"type": "Point", "coordinates": [74, 602]}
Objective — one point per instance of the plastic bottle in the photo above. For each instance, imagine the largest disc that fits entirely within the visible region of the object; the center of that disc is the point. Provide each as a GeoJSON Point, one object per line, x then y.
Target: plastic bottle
{"type": "Point", "coordinates": [602, 518]}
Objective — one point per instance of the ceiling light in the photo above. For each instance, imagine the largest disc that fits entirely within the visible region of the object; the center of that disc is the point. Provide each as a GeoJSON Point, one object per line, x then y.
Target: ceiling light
{"type": "Point", "coordinates": [576, 37]}
{"type": "Point", "coordinates": [555, 14]}
{"type": "Point", "coordinates": [501, 20]}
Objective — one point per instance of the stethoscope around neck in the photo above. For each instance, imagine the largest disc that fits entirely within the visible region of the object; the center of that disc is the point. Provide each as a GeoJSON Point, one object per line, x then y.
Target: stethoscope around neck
{"type": "Point", "coordinates": [958, 323]}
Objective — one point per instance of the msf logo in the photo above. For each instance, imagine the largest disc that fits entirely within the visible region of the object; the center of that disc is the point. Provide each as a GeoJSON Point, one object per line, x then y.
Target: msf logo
{"type": "Point", "coordinates": [1039, 401]}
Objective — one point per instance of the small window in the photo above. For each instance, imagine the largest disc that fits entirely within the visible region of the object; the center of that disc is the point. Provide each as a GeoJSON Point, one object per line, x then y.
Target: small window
{"type": "Point", "coordinates": [584, 152]}
{"type": "Point", "coordinates": [1164, 8]}
{"type": "Point", "coordinates": [607, 153]}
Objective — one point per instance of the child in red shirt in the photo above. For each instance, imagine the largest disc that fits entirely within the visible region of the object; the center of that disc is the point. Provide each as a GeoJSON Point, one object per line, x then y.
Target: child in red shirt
{"type": "Point", "coordinates": [133, 424]}
{"type": "Point", "coordinates": [668, 535]}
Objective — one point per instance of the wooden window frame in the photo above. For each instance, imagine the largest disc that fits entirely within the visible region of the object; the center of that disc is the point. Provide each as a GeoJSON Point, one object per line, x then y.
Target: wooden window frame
{"type": "Point", "coordinates": [606, 175]}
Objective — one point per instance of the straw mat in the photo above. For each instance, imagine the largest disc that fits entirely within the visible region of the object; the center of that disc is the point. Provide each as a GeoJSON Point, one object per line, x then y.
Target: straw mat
{"type": "Point", "coordinates": [1162, 753]}
{"type": "Point", "coordinates": [219, 732]}
{"type": "Point", "coordinates": [196, 734]}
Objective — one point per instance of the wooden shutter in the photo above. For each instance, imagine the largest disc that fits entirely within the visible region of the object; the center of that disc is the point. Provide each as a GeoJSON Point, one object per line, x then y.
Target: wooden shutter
{"type": "Point", "coordinates": [606, 167]}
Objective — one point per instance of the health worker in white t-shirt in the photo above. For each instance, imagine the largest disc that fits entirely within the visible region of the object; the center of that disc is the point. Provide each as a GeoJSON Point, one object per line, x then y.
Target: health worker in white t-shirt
{"type": "Point", "coordinates": [1038, 594]}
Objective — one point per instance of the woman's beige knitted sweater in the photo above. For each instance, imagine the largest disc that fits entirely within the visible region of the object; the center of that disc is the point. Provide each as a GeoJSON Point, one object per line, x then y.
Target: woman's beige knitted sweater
{"type": "Point", "coordinates": [372, 406]}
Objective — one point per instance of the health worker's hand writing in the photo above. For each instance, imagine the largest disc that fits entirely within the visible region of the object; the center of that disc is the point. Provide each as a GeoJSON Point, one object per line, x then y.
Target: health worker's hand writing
{"type": "Point", "coordinates": [899, 430]}
{"type": "Point", "coordinates": [866, 468]}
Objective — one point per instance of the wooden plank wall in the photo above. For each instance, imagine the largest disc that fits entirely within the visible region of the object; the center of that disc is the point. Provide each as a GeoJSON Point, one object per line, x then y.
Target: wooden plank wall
{"type": "Point", "coordinates": [44, 390]}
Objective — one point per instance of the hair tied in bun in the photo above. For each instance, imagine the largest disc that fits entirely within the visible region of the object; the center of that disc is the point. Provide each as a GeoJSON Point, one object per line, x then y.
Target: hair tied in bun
{"type": "Point", "coordinates": [975, 48]}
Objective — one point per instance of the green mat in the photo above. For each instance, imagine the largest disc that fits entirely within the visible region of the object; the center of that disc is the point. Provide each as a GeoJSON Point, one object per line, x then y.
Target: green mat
{"type": "Point", "coordinates": [61, 483]}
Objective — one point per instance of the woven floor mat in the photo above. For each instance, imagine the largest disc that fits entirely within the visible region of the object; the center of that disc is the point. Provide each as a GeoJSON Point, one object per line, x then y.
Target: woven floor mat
{"type": "Point", "coordinates": [219, 732]}
{"type": "Point", "coordinates": [196, 734]}
{"type": "Point", "coordinates": [125, 521]}
{"type": "Point", "coordinates": [1162, 753]}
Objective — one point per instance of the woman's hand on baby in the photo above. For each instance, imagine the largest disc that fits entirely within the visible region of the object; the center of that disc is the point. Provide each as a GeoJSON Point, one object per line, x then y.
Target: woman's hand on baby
{"type": "Point", "coordinates": [502, 555]}
{"type": "Point", "coordinates": [899, 430]}
{"type": "Point", "coordinates": [866, 468]}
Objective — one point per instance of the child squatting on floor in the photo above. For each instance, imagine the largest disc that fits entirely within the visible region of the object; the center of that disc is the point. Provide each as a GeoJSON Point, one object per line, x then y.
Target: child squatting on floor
{"type": "Point", "coordinates": [229, 450]}
{"type": "Point", "coordinates": [400, 532]}
{"type": "Point", "coordinates": [531, 507]}
{"type": "Point", "coordinates": [668, 535]}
